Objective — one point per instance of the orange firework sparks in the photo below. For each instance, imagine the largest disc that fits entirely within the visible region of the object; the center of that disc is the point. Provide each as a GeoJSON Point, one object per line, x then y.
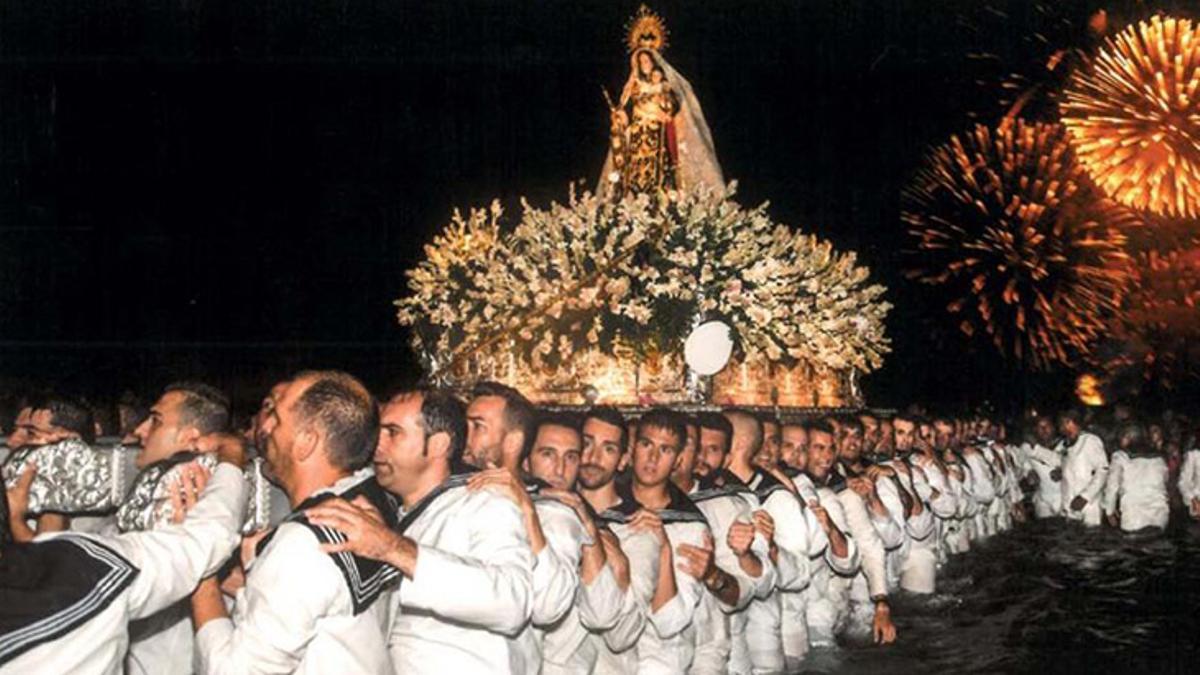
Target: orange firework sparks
{"type": "Point", "coordinates": [1134, 116]}
{"type": "Point", "coordinates": [1029, 251]}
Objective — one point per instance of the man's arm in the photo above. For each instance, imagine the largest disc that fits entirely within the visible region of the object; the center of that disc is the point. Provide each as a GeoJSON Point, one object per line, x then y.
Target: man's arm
{"type": "Point", "coordinates": [292, 586]}
{"type": "Point", "coordinates": [642, 550]}
{"type": "Point", "coordinates": [1099, 463]}
{"type": "Point", "coordinates": [174, 557]}
{"type": "Point", "coordinates": [556, 568]}
{"type": "Point", "coordinates": [791, 538]}
{"type": "Point", "coordinates": [671, 618]}
{"type": "Point", "coordinates": [1112, 484]}
{"type": "Point", "coordinates": [491, 589]}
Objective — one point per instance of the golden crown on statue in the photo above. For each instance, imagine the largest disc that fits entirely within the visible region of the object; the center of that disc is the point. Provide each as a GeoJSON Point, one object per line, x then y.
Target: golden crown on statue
{"type": "Point", "coordinates": [646, 30]}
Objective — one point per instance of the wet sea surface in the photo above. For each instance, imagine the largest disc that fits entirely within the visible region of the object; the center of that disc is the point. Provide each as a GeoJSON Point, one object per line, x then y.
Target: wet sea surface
{"type": "Point", "coordinates": [1049, 597]}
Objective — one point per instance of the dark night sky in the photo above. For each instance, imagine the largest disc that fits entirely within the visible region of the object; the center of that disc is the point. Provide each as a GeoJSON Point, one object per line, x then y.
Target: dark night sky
{"type": "Point", "coordinates": [234, 189]}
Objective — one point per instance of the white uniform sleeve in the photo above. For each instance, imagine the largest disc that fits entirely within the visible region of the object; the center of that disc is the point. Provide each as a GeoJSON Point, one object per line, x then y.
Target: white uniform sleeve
{"type": "Point", "coordinates": [556, 567]}
{"type": "Point", "coordinates": [944, 505]}
{"type": "Point", "coordinates": [1098, 461]}
{"type": "Point", "coordinates": [1112, 484]}
{"type": "Point", "coordinates": [983, 487]}
{"type": "Point", "coordinates": [1189, 478]}
{"type": "Point", "coordinates": [739, 510]}
{"type": "Point", "coordinates": [642, 549]}
{"type": "Point", "coordinates": [817, 540]}
{"type": "Point", "coordinates": [847, 565]}
{"type": "Point", "coordinates": [290, 589]}
{"type": "Point", "coordinates": [677, 613]}
{"type": "Point", "coordinates": [174, 558]}
{"type": "Point", "coordinates": [793, 570]}
{"type": "Point", "coordinates": [492, 589]}
{"type": "Point", "coordinates": [600, 601]}
{"type": "Point", "coordinates": [713, 643]}
{"type": "Point", "coordinates": [870, 548]}
{"type": "Point", "coordinates": [890, 527]}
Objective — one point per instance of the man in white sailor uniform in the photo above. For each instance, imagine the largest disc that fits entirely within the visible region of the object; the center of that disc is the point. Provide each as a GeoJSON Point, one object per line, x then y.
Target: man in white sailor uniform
{"type": "Point", "coordinates": [308, 605]}
{"type": "Point", "coordinates": [918, 574]}
{"type": "Point", "coordinates": [467, 590]}
{"type": "Point", "coordinates": [553, 462]}
{"type": "Point", "coordinates": [501, 424]}
{"type": "Point", "coordinates": [66, 600]}
{"type": "Point", "coordinates": [782, 521]}
{"type": "Point", "coordinates": [637, 545]}
{"type": "Point", "coordinates": [1044, 460]}
{"type": "Point", "coordinates": [826, 601]}
{"type": "Point", "coordinates": [830, 550]}
{"type": "Point", "coordinates": [742, 555]}
{"type": "Point", "coordinates": [686, 564]}
{"type": "Point", "coordinates": [867, 518]}
{"type": "Point", "coordinates": [1084, 471]}
{"type": "Point", "coordinates": [186, 411]}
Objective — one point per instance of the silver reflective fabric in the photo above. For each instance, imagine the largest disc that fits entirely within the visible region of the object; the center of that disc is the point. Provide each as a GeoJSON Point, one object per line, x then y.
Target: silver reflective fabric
{"type": "Point", "coordinates": [148, 503]}
{"type": "Point", "coordinates": [258, 511]}
{"type": "Point", "coordinates": [72, 477]}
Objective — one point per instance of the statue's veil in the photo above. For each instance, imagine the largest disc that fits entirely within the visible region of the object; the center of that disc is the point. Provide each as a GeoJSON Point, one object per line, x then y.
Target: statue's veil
{"type": "Point", "coordinates": [697, 155]}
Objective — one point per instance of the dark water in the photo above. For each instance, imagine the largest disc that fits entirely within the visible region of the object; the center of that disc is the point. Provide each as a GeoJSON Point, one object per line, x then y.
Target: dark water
{"type": "Point", "coordinates": [1049, 597]}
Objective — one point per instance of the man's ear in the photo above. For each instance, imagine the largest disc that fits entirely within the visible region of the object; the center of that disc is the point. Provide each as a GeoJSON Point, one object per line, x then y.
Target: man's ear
{"type": "Point", "coordinates": [306, 443]}
{"type": "Point", "coordinates": [187, 437]}
{"type": "Point", "coordinates": [438, 445]}
{"type": "Point", "coordinates": [511, 445]}
{"type": "Point", "coordinates": [623, 463]}
{"type": "Point", "coordinates": [678, 461]}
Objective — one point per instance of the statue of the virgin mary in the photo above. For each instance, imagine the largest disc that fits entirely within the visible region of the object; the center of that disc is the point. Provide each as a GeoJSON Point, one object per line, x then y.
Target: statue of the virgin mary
{"type": "Point", "coordinates": [659, 139]}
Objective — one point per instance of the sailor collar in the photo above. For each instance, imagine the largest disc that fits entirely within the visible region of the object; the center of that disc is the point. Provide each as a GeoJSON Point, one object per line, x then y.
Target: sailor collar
{"type": "Point", "coordinates": [79, 578]}
{"type": "Point", "coordinates": [365, 578]}
{"type": "Point", "coordinates": [764, 484]}
{"type": "Point", "coordinates": [718, 483]}
{"type": "Point", "coordinates": [680, 508]}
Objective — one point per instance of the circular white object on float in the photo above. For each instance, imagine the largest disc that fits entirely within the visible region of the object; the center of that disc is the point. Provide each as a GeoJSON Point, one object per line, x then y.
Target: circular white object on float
{"type": "Point", "coordinates": [708, 348]}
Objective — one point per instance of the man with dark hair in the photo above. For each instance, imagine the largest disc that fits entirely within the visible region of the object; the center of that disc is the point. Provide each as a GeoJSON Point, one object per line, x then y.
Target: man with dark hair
{"type": "Point", "coordinates": [714, 434]}
{"type": "Point", "coordinates": [829, 549]}
{"type": "Point", "coordinates": [1084, 469]}
{"type": "Point", "coordinates": [499, 425]}
{"type": "Point", "coordinates": [181, 415]}
{"type": "Point", "coordinates": [501, 429]}
{"type": "Point", "coordinates": [467, 592]}
{"type": "Point", "coordinates": [650, 501]}
{"type": "Point", "coordinates": [308, 605]}
{"type": "Point", "coordinates": [932, 503]}
{"type": "Point", "coordinates": [605, 455]}
{"type": "Point", "coordinates": [743, 566]}
{"type": "Point", "coordinates": [1044, 461]}
{"type": "Point", "coordinates": [871, 432]}
{"type": "Point", "coordinates": [859, 604]}
{"type": "Point", "coordinates": [58, 418]}
{"type": "Point", "coordinates": [767, 458]}
{"type": "Point", "coordinates": [51, 421]}
{"type": "Point", "coordinates": [782, 522]}
{"type": "Point", "coordinates": [594, 603]}
{"type": "Point", "coordinates": [131, 411]}
{"type": "Point", "coordinates": [827, 596]}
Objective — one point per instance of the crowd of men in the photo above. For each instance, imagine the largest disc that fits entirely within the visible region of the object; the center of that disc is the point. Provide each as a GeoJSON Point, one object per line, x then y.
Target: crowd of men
{"type": "Point", "coordinates": [428, 534]}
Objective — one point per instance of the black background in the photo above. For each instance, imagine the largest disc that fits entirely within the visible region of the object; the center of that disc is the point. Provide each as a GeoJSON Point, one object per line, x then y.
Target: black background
{"type": "Point", "coordinates": [234, 190]}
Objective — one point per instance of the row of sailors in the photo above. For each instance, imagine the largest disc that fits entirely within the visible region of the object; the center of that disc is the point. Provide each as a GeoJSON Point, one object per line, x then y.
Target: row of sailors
{"type": "Point", "coordinates": [429, 536]}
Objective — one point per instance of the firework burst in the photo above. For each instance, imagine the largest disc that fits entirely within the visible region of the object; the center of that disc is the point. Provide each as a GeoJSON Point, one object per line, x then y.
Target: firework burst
{"type": "Point", "coordinates": [1029, 251]}
{"type": "Point", "coordinates": [1134, 116]}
